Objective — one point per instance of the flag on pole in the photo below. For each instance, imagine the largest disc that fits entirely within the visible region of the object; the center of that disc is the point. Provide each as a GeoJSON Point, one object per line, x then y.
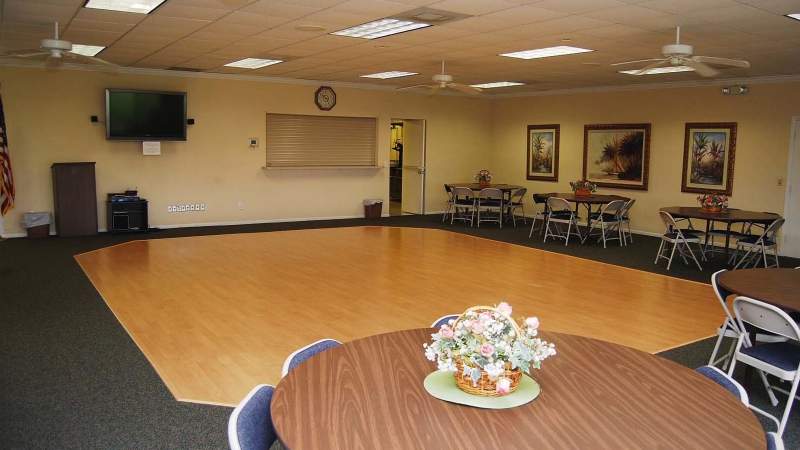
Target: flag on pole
{"type": "Point", "coordinates": [6, 176]}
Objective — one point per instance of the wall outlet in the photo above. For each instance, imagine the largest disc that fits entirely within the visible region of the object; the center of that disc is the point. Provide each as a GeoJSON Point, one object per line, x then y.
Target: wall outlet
{"type": "Point", "coordinates": [253, 141]}
{"type": "Point", "coordinates": [780, 181]}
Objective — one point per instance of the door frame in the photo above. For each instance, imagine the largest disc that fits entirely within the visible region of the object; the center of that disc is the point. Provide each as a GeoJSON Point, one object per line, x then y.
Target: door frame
{"type": "Point", "coordinates": [423, 192]}
{"type": "Point", "coordinates": [792, 184]}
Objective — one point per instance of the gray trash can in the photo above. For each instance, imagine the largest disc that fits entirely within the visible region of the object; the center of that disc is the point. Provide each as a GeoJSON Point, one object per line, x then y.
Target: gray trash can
{"type": "Point", "coordinates": [373, 207]}
{"type": "Point", "coordinates": [37, 224]}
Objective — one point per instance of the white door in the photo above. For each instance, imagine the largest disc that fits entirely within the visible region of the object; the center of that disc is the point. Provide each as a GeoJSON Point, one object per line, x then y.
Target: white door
{"type": "Point", "coordinates": [413, 166]}
{"type": "Point", "coordinates": [791, 229]}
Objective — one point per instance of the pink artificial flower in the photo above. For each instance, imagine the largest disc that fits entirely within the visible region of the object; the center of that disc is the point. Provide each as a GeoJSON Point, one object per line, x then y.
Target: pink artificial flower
{"type": "Point", "coordinates": [477, 327]}
{"type": "Point", "coordinates": [485, 315]}
{"type": "Point", "coordinates": [487, 350]}
{"type": "Point", "coordinates": [532, 322]}
{"type": "Point", "coordinates": [446, 332]}
{"type": "Point", "coordinates": [503, 386]}
{"type": "Point", "coordinates": [504, 309]}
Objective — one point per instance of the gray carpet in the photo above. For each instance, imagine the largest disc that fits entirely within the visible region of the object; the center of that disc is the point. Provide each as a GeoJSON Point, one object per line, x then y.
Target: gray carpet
{"type": "Point", "coordinates": [72, 377]}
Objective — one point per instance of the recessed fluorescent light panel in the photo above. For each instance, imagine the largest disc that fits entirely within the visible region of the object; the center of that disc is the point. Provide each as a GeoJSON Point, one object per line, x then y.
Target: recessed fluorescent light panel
{"type": "Point", "coordinates": [132, 6]}
{"type": "Point", "coordinates": [658, 70]}
{"type": "Point", "coordinates": [253, 63]}
{"type": "Point", "coordinates": [497, 84]}
{"type": "Point", "coordinates": [391, 74]}
{"type": "Point", "coordinates": [546, 52]}
{"type": "Point", "coordinates": [380, 28]}
{"type": "Point", "coordinates": [795, 16]}
{"type": "Point", "coordinates": [87, 50]}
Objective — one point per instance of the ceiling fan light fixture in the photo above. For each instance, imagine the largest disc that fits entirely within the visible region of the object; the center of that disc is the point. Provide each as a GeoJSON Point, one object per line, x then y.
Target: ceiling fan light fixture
{"type": "Point", "coordinates": [547, 52]}
{"type": "Point", "coordinates": [131, 6]}
{"type": "Point", "coordinates": [497, 84]}
{"type": "Point", "coordinates": [658, 70]}
{"type": "Point", "coordinates": [87, 50]}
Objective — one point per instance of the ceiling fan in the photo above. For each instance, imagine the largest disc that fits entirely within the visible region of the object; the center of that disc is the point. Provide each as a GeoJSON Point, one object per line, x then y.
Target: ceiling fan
{"type": "Point", "coordinates": [445, 81]}
{"type": "Point", "coordinates": [55, 51]}
{"type": "Point", "coordinates": [678, 54]}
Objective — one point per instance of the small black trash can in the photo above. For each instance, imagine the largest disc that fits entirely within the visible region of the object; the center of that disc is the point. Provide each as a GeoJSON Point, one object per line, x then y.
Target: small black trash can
{"type": "Point", "coordinates": [373, 207]}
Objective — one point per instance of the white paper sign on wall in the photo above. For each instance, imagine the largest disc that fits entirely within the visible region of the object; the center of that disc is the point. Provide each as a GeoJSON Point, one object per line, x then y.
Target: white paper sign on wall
{"type": "Point", "coordinates": [151, 148]}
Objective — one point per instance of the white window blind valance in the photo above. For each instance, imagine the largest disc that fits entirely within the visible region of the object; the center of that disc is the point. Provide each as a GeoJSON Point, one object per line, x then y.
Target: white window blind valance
{"type": "Point", "coordinates": [321, 141]}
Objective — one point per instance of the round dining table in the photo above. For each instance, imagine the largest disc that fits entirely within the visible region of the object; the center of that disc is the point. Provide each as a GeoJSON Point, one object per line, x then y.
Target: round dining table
{"type": "Point", "coordinates": [506, 188]}
{"type": "Point", "coordinates": [369, 394]}
{"type": "Point", "coordinates": [728, 217]}
{"type": "Point", "coordinates": [779, 287]}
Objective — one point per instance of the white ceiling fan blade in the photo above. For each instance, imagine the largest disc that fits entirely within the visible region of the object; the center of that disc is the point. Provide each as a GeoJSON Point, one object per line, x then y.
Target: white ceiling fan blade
{"type": "Point", "coordinates": [722, 61]}
{"type": "Point", "coordinates": [645, 69]}
{"type": "Point", "coordinates": [465, 89]}
{"type": "Point", "coordinates": [91, 60]}
{"type": "Point", "coordinates": [24, 53]}
{"type": "Point", "coordinates": [429, 86]}
{"type": "Point", "coordinates": [637, 61]}
{"type": "Point", "coordinates": [702, 69]}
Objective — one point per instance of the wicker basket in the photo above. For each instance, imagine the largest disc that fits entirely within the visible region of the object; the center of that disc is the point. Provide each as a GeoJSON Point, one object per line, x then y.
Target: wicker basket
{"type": "Point", "coordinates": [484, 386]}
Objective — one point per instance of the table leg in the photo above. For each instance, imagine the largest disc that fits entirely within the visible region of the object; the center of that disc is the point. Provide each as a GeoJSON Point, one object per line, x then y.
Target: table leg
{"type": "Point", "coordinates": [727, 238]}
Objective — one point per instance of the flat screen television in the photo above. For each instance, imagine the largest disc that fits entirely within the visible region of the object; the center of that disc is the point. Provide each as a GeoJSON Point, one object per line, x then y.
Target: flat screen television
{"type": "Point", "coordinates": [145, 115]}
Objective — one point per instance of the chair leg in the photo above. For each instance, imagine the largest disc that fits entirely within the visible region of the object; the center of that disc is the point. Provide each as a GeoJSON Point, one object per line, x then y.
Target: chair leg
{"type": "Point", "coordinates": [672, 255]}
{"type": "Point", "coordinates": [660, 250]}
{"type": "Point", "coordinates": [720, 337]}
{"type": "Point", "coordinates": [694, 257]}
{"type": "Point", "coordinates": [788, 409]}
{"type": "Point", "coordinates": [546, 229]}
{"type": "Point", "coordinates": [569, 228]}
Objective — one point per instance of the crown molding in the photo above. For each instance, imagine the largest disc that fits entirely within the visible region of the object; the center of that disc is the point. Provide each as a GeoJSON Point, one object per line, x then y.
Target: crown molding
{"type": "Point", "coordinates": [769, 79]}
{"type": "Point", "coordinates": [218, 76]}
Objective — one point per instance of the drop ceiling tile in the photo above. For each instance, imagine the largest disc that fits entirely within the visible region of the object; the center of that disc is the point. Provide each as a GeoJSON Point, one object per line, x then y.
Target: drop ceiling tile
{"type": "Point", "coordinates": [685, 6]}
{"type": "Point", "coordinates": [578, 6]}
{"type": "Point", "coordinates": [781, 7]}
{"type": "Point", "coordinates": [90, 37]}
{"type": "Point", "coordinates": [474, 7]}
{"type": "Point", "coordinates": [371, 8]}
{"type": "Point", "coordinates": [287, 9]}
{"type": "Point", "coordinates": [28, 11]}
{"type": "Point", "coordinates": [562, 26]}
{"type": "Point", "coordinates": [227, 27]}
{"type": "Point", "coordinates": [95, 25]}
{"type": "Point", "coordinates": [626, 15]}
{"type": "Point", "coordinates": [263, 21]}
{"type": "Point", "coordinates": [204, 62]}
{"type": "Point", "coordinates": [333, 20]}
{"type": "Point", "coordinates": [289, 31]}
{"type": "Point", "coordinates": [169, 26]}
{"type": "Point", "coordinates": [189, 11]}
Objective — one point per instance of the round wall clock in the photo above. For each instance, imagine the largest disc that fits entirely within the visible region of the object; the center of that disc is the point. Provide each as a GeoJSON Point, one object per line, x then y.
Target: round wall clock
{"type": "Point", "coordinates": [325, 98]}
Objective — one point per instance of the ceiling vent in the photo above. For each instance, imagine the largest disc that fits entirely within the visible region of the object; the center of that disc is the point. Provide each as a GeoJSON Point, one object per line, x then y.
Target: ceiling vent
{"type": "Point", "coordinates": [431, 16]}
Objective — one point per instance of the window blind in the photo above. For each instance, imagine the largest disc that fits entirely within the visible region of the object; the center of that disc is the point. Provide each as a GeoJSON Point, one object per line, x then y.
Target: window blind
{"type": "Point", "coordinates": [321, 141]}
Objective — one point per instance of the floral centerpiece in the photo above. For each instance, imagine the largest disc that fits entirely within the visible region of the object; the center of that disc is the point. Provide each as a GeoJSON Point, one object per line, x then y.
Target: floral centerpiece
{"type": "Point", "coordinates": [483, 177]}
{"type": "Point", "coordinates": [713, 202]}
{"type": "Point", "coordinates": [487, 351]}
{"type": "Point", "coordinates": [583, 187]}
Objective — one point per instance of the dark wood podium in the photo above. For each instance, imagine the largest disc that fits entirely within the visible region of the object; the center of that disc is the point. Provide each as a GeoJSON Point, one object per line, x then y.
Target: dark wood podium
{"type": "Point", "coordinates": [74, 199]}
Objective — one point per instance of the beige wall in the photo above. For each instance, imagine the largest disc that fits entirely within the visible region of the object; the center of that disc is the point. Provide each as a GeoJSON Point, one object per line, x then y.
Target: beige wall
{"type": "Point", "coordinates": [47, 114]}
{"type": "Point", "coordinates": [764, 121]}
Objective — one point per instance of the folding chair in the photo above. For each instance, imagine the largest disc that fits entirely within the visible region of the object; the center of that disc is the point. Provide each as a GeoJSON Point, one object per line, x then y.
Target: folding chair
{"type": "Point", "coordinates": [680, 240]}
{"type": "Point", "coordinates": [517, 202]}
{"type": "Point", "coordinates": [490, 200]}
{"type": "Point", "coordinates": [559, 214]}
{"type": "Point", "coordinates": [539, 199]}
{"type": "Point", "coordinates": [463, 205]}
{"type": "Point", "coordinates": [450, 201]}
{"type": "Point", "coordinates": [625, 221]}
{"type": "Point", "coordinates": [607, 221]}
{"type": "Point", "coordinates": [756, 247]}
{"type": "Point", "coordinates": [779, 359]}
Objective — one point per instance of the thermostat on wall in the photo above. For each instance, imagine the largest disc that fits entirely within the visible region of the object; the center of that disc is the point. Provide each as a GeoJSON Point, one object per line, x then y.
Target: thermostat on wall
{"type": "Point", "coordinates": [151, 148]}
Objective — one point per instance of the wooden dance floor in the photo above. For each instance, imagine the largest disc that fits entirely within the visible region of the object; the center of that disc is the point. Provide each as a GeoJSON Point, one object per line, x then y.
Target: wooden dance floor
{"type": "Point", "coordinates": [216, 315]}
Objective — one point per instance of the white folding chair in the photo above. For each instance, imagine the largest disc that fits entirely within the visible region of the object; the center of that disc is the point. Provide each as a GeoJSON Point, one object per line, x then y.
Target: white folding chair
{"type": "Point", "coordinates": [680, 240]}
{"type": "Point", "coordinates": [559, 214]}
{"type": "Point", "coordinates": [625, 221]}
{"type": "Point", "coordinates": [463, 205]}
{"type": "Point", "coordinates": [490, 200]}
{"type": "Point", "coordinates": [607, 221]}
{"type": "Point", "coordinates": [516, 202]}
{"type": "Point", "coordinates": [539, 199]}
{"type": "Point", "coordinates": [450, 201]}
{"type": "Point", "coordinates": [729, 327]}
{"type": "Point", "coordinates": [779, 359]}
{"type": "Point", "coordinates": [756, 247]}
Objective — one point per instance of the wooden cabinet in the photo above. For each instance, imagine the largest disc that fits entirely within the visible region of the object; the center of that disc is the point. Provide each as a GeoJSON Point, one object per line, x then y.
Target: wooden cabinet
{"type": "Point", "coordinates": [75, 199]}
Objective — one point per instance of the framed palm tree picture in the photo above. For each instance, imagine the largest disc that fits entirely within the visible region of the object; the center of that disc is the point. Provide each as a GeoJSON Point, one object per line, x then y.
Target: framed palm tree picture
{"type": "Point", "coordinates": [617, 155]}
{"type": "Point", "coordinates": [708, 155]}
{"type": "Point", "coordinates": [543, 152]}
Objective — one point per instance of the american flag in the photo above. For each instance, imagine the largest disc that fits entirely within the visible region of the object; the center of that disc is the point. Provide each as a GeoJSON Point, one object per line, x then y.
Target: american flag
{"type": "Point", "coordinates": [6, 176]}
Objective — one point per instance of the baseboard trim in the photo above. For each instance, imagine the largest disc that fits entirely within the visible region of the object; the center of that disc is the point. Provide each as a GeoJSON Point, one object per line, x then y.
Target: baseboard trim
{"type": "Point", "coordinates": [221, 223]}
